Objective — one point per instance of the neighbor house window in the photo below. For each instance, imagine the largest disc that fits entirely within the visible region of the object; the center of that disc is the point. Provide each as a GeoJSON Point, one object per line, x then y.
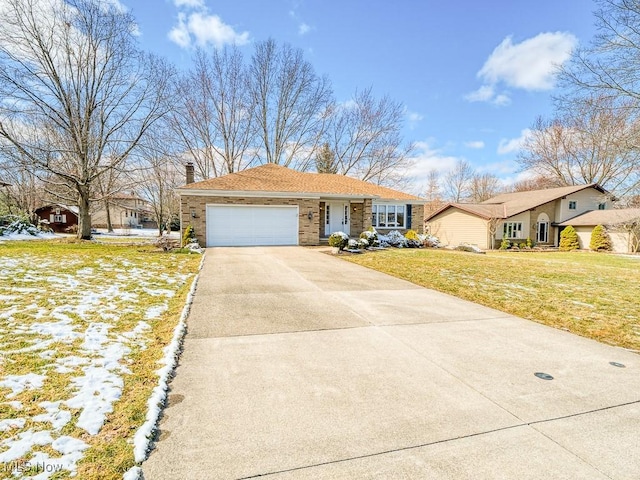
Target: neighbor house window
{"type": "Point", "coordinates": [572, 205]}
{"type": "Point", "coordinates": [512, 230]}
{"type": "Point", "coordinates": [602, 206]}
{"type": "Point", "coordinates": [388, 216]}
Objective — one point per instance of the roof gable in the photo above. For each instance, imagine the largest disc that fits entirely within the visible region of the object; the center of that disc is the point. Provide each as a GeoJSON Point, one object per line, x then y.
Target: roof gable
{"type": "Point", "coordinates": [278, 179]}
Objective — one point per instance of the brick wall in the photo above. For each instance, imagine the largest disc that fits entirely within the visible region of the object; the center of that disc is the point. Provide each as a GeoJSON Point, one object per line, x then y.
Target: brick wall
{"type": "Point", "coordinates": [308, 230]}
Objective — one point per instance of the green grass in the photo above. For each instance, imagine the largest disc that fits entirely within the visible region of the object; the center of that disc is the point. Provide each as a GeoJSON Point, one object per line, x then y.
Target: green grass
{"type": "Point", "coordinates": [39, 280]}
{"type": "Point", "coordinates": [590, 294]}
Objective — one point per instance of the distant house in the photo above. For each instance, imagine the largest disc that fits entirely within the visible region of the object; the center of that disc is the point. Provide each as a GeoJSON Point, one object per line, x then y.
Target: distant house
{"type": "Point", "coordinates": [61, 218]}
{"type": "Point", "coordinates": [622, 225]}
{"type": "Point", "coordinates": [536, 214]}
{"type": "Point", "coordinates": [127, 210]}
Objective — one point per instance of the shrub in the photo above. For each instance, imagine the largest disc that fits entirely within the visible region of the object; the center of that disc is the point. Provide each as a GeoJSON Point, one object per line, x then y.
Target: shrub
{"type": "Point", "coordinates": [505, 244]}
{"type": "Point", "coordinates": [430, 240]}
{"type": "Point", "coordinates": [371, 236]}
{"type": "Point", "coordinates": [188, 236]}
{"type": "Point", "coordinates": [72, 229]}
{"type": "Point", "coordinates": [363, 243]}
{"type": "Point", "coordinates": [14, 224]}
{"type": "Point", "coordinates": [394, 239]}
{"type": "Point", "coordinates": [569, 240]}
{"type": "Point", "coordinates": [338, 240]}
{"type": "Point", "coordinates": [353, 244]}
{"type": "Point", "coordinates": [529, 243]}
{"type": "Point", "coordinates": [600, 240]}
{"type": "Point", "coordinates": [413, 239]}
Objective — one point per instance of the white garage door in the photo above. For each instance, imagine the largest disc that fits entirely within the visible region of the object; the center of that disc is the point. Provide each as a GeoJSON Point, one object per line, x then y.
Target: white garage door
{"type": "Point", "coordinates": [246, 225]}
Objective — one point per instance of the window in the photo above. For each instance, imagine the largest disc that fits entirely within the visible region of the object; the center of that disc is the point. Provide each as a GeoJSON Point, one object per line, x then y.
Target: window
{"type": "Point", "coordinates": [388, 216]}
{"type": "Point", "coordinates": [512, 230]}
{"type": "Point", "coordinates": [602, 206]}
{"type": "Point", "coordinates": [572, 204]}
{"type": "Point", "coordinates": [327, 210]}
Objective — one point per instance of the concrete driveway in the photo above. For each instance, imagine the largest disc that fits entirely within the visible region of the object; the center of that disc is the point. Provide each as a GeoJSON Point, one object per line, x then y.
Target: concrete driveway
{"type": "Point", "coordinates": [298, 365]}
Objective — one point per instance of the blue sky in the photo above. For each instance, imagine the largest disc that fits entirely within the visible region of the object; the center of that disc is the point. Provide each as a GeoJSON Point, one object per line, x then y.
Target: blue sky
{"type": "Point", "coordinates": [473, 75]}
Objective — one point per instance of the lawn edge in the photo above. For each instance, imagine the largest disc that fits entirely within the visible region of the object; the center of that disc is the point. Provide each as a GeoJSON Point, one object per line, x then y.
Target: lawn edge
{"type": "Point", "coordinates": [143, 437]}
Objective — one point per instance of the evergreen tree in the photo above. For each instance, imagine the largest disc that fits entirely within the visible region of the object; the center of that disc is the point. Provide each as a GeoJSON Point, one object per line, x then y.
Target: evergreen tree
{"type": "Point", "coordinates": [326, 160]}
{"type": "Point", "coordinates": [600, 240]}
{"type": "Point", "coordinates": [569, 239]}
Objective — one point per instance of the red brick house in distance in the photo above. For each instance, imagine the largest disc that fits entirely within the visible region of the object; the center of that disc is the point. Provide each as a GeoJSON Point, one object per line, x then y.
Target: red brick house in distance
{"type": "Point", "coordinates": [61, 218]}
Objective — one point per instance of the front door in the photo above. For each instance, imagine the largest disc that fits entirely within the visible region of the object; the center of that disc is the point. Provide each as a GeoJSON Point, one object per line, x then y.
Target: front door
{"type": "Point", "coordinates": [543, 232]}
{"type": "Point", "coordinates": [336, 218]}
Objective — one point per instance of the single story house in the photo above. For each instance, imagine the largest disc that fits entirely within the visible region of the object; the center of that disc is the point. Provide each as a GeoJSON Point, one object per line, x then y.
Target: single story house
{"type": "Point", "coordinates": [274, 205]}
{"type": "Point", "coordinates": [622, 225]}
{"type": "Point", "coordinates": [61, 218]}
{"type": "Point", "coordinates": [535, 214]}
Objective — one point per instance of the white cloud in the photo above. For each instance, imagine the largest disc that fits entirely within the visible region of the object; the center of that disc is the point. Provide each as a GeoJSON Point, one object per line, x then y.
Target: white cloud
{"type": "Point", "coordinates": [475, 144]}
{"type": "Point", "coordinates": [203, 29]}
{"type": "Point", "coordinates": [529, 65]}
{"type": "Point", "coordinates": [426, 159]}
{"type": "Point", "coordinates": [303, 28]}
{"type": "Point", "coordinates": [513, 145]}
{"type": "Point", "coordinates": [197, 4]}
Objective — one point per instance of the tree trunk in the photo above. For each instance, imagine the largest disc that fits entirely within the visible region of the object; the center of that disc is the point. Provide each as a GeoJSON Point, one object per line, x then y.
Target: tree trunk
{"type": "Point", "coordinates": [106, 209]}
{"type": "Point", "coordinates": [84, 216]}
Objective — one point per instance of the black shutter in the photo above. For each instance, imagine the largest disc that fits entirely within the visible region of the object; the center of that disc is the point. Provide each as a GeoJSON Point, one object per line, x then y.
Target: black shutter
{"type": "Point", "coordinates": [408, 216]}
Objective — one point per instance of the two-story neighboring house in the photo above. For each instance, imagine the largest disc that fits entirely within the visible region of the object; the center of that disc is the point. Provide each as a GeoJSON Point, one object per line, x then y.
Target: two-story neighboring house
{"type": "Point", "coordinates": [127, 210]}
{"type": "Point", "coordinates": [535, 214]}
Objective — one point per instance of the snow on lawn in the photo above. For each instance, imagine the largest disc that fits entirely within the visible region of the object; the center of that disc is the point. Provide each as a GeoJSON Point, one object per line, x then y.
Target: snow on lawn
{"type": "Point", "coordinates": [70, 330]}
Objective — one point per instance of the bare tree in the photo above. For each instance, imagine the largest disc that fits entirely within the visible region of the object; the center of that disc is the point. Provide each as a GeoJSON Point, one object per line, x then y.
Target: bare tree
{"type": "Point", "coordinates": [593, 140]}
{"type": "Point", "coordinates": [365, 134]}
{"type": "Point", "coordinates": [24, 193]}
{"type": "Point", "coordinates": [214, 122]}
{"type": "Point", "coordinates": [433, 192]}
{"type": "Point", "coordinates": [290, 104]}
{"type": "Point", "coordinates": [534, 183]}
{"type": "Point", "coordinates": [457, 182]}
{"type": "Point", "coordinates": [609, 66]}
{"type": "Point", "coordinates": [483, 186]}
{"type": "Point", "coordinates": [77, 94]}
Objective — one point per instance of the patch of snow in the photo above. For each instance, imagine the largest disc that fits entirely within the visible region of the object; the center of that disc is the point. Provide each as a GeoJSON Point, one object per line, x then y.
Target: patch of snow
{"type": "Point", "coordinates": [11, 423]}
{"type": "Point", "coordinates": [19, 383]}
{"type": "Point", "coordinates": [23, 444]}
{"type": "Point", "coordinates": [16, 405]}
{"type": "Point", "coordinates": [155, 312]}
{"type": "Point", "coordinates": [159, 292]}
{"type": "Point", "coordinates": [58, 418]}
{"type": "Point", "coordinates": [134, 473]}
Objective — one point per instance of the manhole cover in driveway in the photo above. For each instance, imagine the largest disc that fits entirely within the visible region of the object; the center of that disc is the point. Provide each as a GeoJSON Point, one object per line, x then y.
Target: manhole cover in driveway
{"type": "Point", "coordinates": [543, 376]}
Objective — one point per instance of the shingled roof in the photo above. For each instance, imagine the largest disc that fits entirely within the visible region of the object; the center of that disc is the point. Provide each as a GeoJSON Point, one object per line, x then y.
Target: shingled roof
{"type": "Point", "coordinates": [272, 178]}
{"type": "Point", "coordinates": [604, 217]}
{"type": "Point", "coordinates": [509, 204]}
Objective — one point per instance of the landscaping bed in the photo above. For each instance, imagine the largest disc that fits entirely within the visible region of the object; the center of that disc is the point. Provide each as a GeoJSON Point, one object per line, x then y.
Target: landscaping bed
{"type": "Point", "coordinates": [590, 294]}
{"type": "Point", "coordinates": [82, 332]}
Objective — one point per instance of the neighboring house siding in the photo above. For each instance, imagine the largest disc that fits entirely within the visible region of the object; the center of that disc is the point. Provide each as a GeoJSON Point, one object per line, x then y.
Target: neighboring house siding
{"type": "Point", "coordinates": [524, 218]}
{"type": "Point", "coordinates": [584, 236]}
{"type": "Point", "coordinates": [621, 242]}
{"type": "Point", "coordinates": [308, 230]}
{"type": "Point", "coordinates": [454, 227]}
{"type": "Point", "coordinates": [586, 200]}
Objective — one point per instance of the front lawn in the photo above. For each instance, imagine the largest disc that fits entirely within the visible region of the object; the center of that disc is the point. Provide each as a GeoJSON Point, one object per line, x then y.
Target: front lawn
{"type": "Point", "coordinates": [594, 295]}
{"type": "Point", "coordinates": [82, 332]}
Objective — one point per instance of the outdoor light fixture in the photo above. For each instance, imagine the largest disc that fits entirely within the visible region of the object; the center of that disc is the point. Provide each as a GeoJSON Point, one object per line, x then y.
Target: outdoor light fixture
{"type": "Point", "coordinates": [193, 213]}
{"type": "Point", "coordinates": [310, 215]}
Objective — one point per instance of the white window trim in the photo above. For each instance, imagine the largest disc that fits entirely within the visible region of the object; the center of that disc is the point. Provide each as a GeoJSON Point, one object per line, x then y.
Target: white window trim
{"type": "Point", "coordinates": [386, 207]}
{"type": "Point", "coordinates": [509, 228]}
{"type": "Point", "coordinates": [575, 204]}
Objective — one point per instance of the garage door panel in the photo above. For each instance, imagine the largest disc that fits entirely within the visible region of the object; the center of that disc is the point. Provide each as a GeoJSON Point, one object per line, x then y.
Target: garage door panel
{"type": "Point", "coordinates": [249, 225]}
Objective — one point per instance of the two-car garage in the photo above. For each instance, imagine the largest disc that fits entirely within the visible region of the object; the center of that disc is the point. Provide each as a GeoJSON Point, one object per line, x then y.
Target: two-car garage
{"type": "Point", "coordinates": [251, 225]}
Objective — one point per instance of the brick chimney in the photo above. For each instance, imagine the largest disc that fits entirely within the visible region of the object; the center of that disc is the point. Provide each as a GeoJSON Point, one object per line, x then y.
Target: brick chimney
{"type": "Point", "coordinates": [190, 173]}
